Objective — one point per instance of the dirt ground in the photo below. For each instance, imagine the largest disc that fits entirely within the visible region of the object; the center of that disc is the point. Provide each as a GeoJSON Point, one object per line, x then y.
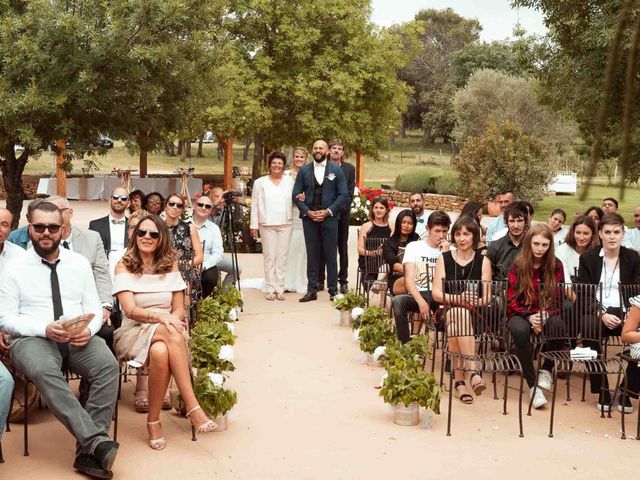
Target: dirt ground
{"type": "Point", "coordinates": [308, 409]}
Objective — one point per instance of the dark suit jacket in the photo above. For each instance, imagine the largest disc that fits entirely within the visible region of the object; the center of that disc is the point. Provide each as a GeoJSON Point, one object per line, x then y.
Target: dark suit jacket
{"type": "Point", "coordinates": [334, 189]}
{"type": "Point", "coordinates": [350, 175]}
{"type": "Point", "coordinates": [101, 225]}
{"type": "Point", "coordinates": [590, 267]}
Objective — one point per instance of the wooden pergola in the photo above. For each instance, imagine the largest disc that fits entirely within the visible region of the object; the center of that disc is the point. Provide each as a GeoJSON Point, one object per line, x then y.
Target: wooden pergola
{"type": "Point", "coordinates": [61, 174]}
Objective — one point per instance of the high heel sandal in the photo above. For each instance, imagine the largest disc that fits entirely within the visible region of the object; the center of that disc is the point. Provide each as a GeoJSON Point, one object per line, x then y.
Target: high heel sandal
{"type": "Point", "coordinates": [465, 397]}
{"type": "Point", "coordinates": [205, 427]}
{"type": "Point", "coordinates": [156, 443]}
{"type": "Point", "coordinates": [479, 386]}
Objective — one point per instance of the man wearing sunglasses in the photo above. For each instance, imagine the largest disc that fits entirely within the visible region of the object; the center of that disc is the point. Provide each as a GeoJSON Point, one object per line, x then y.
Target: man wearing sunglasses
{"type": "Point", "coordinates": [211, 239]}
{"type": "Point", "coordinates": [113, 227]}
{"type": "Point", "coordinates": [47, 284]}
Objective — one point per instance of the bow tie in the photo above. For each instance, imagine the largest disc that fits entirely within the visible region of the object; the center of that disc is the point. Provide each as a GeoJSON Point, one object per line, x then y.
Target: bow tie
{"type": "Point", "coordinates": [118, 222]}
{"type": "Point", "coordinates": [420, 220]}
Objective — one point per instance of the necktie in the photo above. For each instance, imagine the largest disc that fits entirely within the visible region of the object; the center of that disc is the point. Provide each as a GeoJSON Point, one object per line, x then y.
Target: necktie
{"type": "Point", "coordinates": [65, 244]}
{"type": "Point", "coordinates": [55, 289]}
{"type": "Point", "coordinates": [117, 222]}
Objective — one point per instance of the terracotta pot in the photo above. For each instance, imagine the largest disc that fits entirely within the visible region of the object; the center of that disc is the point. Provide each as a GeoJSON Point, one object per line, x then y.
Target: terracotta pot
{"type": "Point", "coordinates": [406, 416]}
{"type": "Point", "coordinates": [493, 209]}
{"type": "Point", "coordinates": [345, 318]}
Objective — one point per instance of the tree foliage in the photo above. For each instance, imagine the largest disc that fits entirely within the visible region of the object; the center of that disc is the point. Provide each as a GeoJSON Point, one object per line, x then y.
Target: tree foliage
{"type": "Point", "coordinates": [504, 157]}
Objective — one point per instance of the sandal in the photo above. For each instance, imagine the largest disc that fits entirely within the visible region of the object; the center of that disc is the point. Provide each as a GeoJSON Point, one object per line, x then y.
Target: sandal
{"type": "Point", "coordinates": [141, 401]}
{"type": "Point", "coordinates": [464, 397]}
{"type": "Point", "coordinates": [208, 426]}
{"type": "Point", "coordinates": [478, 386]}
{"type": "Point", "coordinates": [156, 443]}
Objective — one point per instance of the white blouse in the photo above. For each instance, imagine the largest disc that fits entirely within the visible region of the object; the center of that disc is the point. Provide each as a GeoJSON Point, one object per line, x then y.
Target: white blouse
{"type": "Point", "coordinates": [570, 260]}
{"type": "Point", "coordinates": [271, 204]}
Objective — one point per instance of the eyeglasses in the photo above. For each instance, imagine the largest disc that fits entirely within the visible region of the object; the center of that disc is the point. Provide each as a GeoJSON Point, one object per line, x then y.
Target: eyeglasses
{"type": "Point", "coordinates": [143, 233]}
{"type": "Point", "coordinates": [205, 205]}
{"type": "Point", "coordinates": [41, 227]}
{"type": "Point", "coordinates": [123, 198]}
{"type": "Point", "coordinates": [175, 204]}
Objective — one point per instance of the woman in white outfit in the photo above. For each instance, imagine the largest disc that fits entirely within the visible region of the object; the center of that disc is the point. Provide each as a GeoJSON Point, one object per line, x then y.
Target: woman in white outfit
{"type": "Point", "coordinates": [582, 236]}
{"type": "Point", "coordinates": [271, 215]}
{"type": "Point", "coordinates": [295, 279]}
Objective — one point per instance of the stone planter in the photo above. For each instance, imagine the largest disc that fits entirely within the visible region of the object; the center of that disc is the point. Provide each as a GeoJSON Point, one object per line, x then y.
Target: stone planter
{"type": "Point", "coordinates": [345, 318]}
{"type": "Point", "coordinates": [406, 416]}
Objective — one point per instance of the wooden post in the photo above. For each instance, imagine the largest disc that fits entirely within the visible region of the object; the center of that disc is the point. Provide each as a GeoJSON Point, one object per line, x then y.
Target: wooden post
{"type": "Point", "coordinates": [228, 163]}
{"type": "Point", "coordinates": [359, 169]}
{"type": "Point", "coordinates": [61, 173]}
{"type": "Point", "coordinates": [143, 163]}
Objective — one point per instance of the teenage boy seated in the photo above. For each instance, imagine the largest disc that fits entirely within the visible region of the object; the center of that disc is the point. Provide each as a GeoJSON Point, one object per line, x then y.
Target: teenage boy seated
{"type": "Point", "coordinates": [419, 259]}
{"type": "Point", "coordinates": [503, 252]}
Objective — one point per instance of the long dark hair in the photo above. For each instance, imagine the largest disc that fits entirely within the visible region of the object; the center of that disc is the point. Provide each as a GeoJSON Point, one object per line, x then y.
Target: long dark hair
{"type": "Point", "coordinates": [382, 201]}
{"type": "Point", "coordinates": [397, 233]}
{"type": "Point", "coordinates": [582, 220]}
{"type": "Point", "coordinates": [163, 258]}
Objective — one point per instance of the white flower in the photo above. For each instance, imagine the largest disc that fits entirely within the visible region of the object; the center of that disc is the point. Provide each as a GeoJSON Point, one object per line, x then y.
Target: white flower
{"type": "Point", "coordinates": [230, 326]}
{"type": "Point", "coordinates": [340, 296]}
{"type": "Point", "coordinates": [356, 200]}
{"type": "Point", "coordinates": [216, 378]}
{"type": "Point", "coordinates": [226, 353]}
{"type": "Point", "coordinates": [233, 315]}
{"type": "Point", "coordinates": [384, 377]}
{"type": "Point", "coordinates": [356, 335]}
{"type": "Point", "coordinates": [354, 210]}
{"type": "Point", "coordinates": [357, 312]}
{"type": "Point", "coordinates": [368, 202]}
{"type": "Point", "coordinates": [378, 351]}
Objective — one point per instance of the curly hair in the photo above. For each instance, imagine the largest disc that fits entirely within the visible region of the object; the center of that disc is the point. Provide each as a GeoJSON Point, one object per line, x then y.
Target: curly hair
{"type": "Point", "coordinates": [164, 256]}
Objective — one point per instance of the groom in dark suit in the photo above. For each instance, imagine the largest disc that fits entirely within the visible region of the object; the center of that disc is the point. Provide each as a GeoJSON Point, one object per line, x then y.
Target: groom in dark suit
{"type": "Point", "coordinates": [320, 193]}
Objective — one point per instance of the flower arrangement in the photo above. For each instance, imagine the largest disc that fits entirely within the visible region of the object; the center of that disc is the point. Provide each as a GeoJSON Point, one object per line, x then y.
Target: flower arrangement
{"type": "Point", "coordinates": [369, 316]}
{"type": "Point", "coordinates": [213, 397]}
{"type": "Point", "coordinates": [361, 205]}
{"type": "Point", "coordinates": [347, 301]}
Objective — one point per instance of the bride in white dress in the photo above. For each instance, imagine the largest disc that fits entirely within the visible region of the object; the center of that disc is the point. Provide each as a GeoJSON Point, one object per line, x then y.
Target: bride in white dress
{"type": "Point", "coordinates": [295, 279]}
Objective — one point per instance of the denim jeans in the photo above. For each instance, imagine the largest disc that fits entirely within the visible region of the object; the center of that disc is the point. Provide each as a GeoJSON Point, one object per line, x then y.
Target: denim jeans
{"type": "Point", "coordinates": [6, 389]}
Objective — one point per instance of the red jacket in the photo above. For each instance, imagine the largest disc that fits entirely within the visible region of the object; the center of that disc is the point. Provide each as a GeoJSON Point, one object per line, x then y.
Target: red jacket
{"type": "Point", "coordinates": [515, 304]}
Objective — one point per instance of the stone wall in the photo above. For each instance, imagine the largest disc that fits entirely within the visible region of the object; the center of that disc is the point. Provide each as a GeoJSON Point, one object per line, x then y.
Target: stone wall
{"type": "Point", "coordinates": [29, 184]}
{"type": "Point", "coordinates": [432, 201]}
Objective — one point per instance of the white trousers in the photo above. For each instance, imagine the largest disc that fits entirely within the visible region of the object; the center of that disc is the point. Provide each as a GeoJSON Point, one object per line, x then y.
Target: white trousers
{"type": "Point", "coordinates": [275, 248]}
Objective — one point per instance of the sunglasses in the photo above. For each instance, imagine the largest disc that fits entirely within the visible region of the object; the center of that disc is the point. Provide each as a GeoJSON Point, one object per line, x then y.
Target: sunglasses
{"type": "Point", "coordinates": [205, 205]}
{"type": "Point", "coordinates": [175, 204]}
{"type": "Point", "coordinates": [124, 198]}
{"type": "Point", "coordinates": [143, 233]}
{"type": "Point", "coordinates": [41, 227]}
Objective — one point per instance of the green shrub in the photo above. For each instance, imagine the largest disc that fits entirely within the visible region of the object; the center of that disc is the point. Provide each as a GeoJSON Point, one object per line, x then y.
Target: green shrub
{"type": "Point", "coordinates": [427, 180]}
{"type": "Point", "coordinates": [448, 184]}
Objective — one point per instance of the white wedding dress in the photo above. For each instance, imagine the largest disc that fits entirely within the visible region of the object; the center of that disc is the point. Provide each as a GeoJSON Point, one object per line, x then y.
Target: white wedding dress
{"type": "Point", "coordinates": [295, 279]}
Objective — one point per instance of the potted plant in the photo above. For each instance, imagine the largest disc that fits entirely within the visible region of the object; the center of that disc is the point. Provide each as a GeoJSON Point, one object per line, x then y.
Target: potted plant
{"type": "Point", "coordinates": [375, 334]}
{"type": "Point", "coordinates": [214, 398]}
{"type": "Point", "coordinates": [345, 303]}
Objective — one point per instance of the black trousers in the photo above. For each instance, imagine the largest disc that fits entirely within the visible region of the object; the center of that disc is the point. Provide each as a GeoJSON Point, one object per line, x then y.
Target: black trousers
{"type": "Point", "coordinates": [402, 305]}
{"type": "Point", "coordinates": [343, 252]}
{"type": "Point", "coordinates": [321, 239]}
{"type": "Point", "coordinates": [209, 281]}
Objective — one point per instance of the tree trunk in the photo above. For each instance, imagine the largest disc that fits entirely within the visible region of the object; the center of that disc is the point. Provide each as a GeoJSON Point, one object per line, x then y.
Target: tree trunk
{"type": "Point", "coordinates": [200, 143]}
{"type": "Point", "coordinates": [247, 147]}
{"type": "Point", "coordinates": [426, 137]}
{"type": "Point", "coordinates": [12, 169]}
{"type": "Point", "coordinates": [188, 142]}
{"type": "Point", "coordinates": [143, 163]}
{"type": "Point", "coordinates": [220, 149]}
{"type": "Point", "coordinates": [183, 151]}
{"type": "Point", "coordinates": [180, 147]}
{"type": "Point", "coordinates": [258, 157]}
{"type": "Point", "coordinates": [403, 129]}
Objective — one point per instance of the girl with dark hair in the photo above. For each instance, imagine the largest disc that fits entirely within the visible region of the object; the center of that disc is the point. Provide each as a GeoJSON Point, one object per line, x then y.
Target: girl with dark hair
{"type": "Point", "coordinates": [555, 222]}
{"type": "Point", "coordinates": [595, 214]}
{"type": "Point", "coordinates": [475, 211]}
{"type": "Point", "coordinates": [535, 264]}
{"type": "Point", "coordinates": [153, 203]}
{"type": "Point", "coordinates": [581, 237]}
{"type": "Point", "coordinates": [464, 263]}
{"type": "Point", "coordinates": [376, 227]}
{"type": "Point", "coordinates": [135, 201]}
{"type": "Point", "coordinates": [151, 294]}
{"type": "Point", "coordinates": [404, 232]}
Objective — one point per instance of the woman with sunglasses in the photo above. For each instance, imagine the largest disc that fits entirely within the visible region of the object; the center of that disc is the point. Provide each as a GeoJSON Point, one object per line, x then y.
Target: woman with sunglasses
{"type": "Point", "coordinates": [211, 239]}
{"type": "Point", "coordinates": [150, 291]}
{"type": "Point", "coordinates": [271, 215]}
{"type": "Point", "coordinates": [153, 203]}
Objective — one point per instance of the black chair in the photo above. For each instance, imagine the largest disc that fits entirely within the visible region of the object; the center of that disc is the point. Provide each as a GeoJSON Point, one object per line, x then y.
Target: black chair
{"type": "Point", "coordinates": [627, 292]}
{"type": "Point", "coordinates": [373, 265]}
{"type": "Point", "coordinates": [580, 308]}
{"type": "Point", "coordinates": [481, 315]}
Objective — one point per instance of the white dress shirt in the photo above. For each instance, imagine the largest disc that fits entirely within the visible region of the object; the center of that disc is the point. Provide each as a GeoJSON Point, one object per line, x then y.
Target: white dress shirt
{"type": "Point", "coordinates": [318, 170]}
{"type": "Point", "coordinates": [609, 283]}
{"type": "Point", "coordinates": [26, 304]}
{"type": "Point", "coordinates": [116, 230]}
{"type": "Point", "coordinates": [213, 250]}
{"type": "Point", "coordinates": [421, 226]}
{"type": "Point", "coordinates": [570, 261]}
{"type": "Point", "coordinates": [9, 252]}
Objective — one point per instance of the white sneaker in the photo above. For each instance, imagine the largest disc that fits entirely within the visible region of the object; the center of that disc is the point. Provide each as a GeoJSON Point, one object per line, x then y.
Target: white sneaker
{"type": "Point", "coordinates": [538, 400]}
{"type": "Point", "coordinates": [544, 379]}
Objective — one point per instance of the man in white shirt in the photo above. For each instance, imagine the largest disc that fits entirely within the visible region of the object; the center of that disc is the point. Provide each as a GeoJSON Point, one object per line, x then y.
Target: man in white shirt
{"type": "Point", "coordinates": [46, 284]}
{"type": "Point", "coordinates": [504, 199]}
{"type": "Point", "coordinates": [416, 203]}
{"type": "Point", "coordinates": [419, 259]}
{"type": "Point", "coordinates": [211, 239]}
{"type": "Point", "coordinates": [112, 228]}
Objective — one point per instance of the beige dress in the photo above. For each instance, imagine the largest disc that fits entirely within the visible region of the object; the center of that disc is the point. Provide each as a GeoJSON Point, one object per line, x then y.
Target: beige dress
{"type": "Point", "coordinates": [154, 292]}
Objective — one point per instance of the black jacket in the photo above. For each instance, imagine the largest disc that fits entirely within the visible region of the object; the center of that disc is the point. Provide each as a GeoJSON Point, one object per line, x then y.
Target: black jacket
{"type": "Point", "coordinates": [350, 175]}
{"type": "Point", "coordinates": [590, 267]}
{"type": "Point", "coordinates": [101, 225]}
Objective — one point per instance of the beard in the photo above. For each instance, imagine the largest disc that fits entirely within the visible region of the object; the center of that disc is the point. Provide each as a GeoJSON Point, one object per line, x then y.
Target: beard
{"type": "Point", "coordinates": [319, 157]}
{"type": "Point", "coordinates": [46, 251]}
{"type": "Point", "coordinates": [118, 210]}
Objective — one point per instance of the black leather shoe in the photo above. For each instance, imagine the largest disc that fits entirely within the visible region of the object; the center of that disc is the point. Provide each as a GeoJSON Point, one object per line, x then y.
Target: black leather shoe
{"type": "Point", "coordinates": [320, 286]}
{"type": "Point", "coordinates": [309, 297]}
{"type": "Point", "coordinates": [89, 465]}
{"type": "Point", "coordinates": [106, 453]}
{"type": "Point", "coordinates": [344, 287]}
{"type": "Point", "coordinates": [332, 294]}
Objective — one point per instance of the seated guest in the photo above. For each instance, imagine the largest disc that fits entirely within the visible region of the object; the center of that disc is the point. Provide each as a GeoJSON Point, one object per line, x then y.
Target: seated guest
{"type": "Point", "coordinates": [37, 289]}
{"type": "Point", "coordinates": [608, 266]}
{"type": "Point", "coordinates": [20, 236]}
{"type": "Point", "coordinates": [465, 263]}
{"type": "Point", "coordinates": [475, 211]}
{"type": "Point", "coordinates": [581, 237]}
{"type": "Point", "coordinates": [536, 263]}
{"type": "Point", "coordinates": [609, 205]}
{"type": "Point", "coordinates": [272, 217]}
{"type": "Point", "coordinates": [393, 250]}
{"type": "Point", "coordinates": [135, 201]}
{"type": "Point", "coordinates": [153, 203]}
{"type": "Point", "coordinates": [502, 252]}
{"type": "Point", "coordinates": [632, 235]}
{"type": "Point", "coordinates": [376, 227]}
{"type": "Point", "coordinates": [555, 222]}
{"type": "Point", "coordinates": [419, 259]}
{"type": "Point", "coordinates": [112, 228]}
{"type": "Point", "coordinates": [504, 199]}
{"type": "Point", "coordinates": [151, 294]}
{"type": "Point", "coordinates": [595, 214]}
{"type": "Point", "coordinates": [528, 208]}
{"type": "Point", "coordinates": [416, 203]}
{"type": "Point", "coordinates": [631, 335]}
{"type": "Point", "coordinates": [211, 238]}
